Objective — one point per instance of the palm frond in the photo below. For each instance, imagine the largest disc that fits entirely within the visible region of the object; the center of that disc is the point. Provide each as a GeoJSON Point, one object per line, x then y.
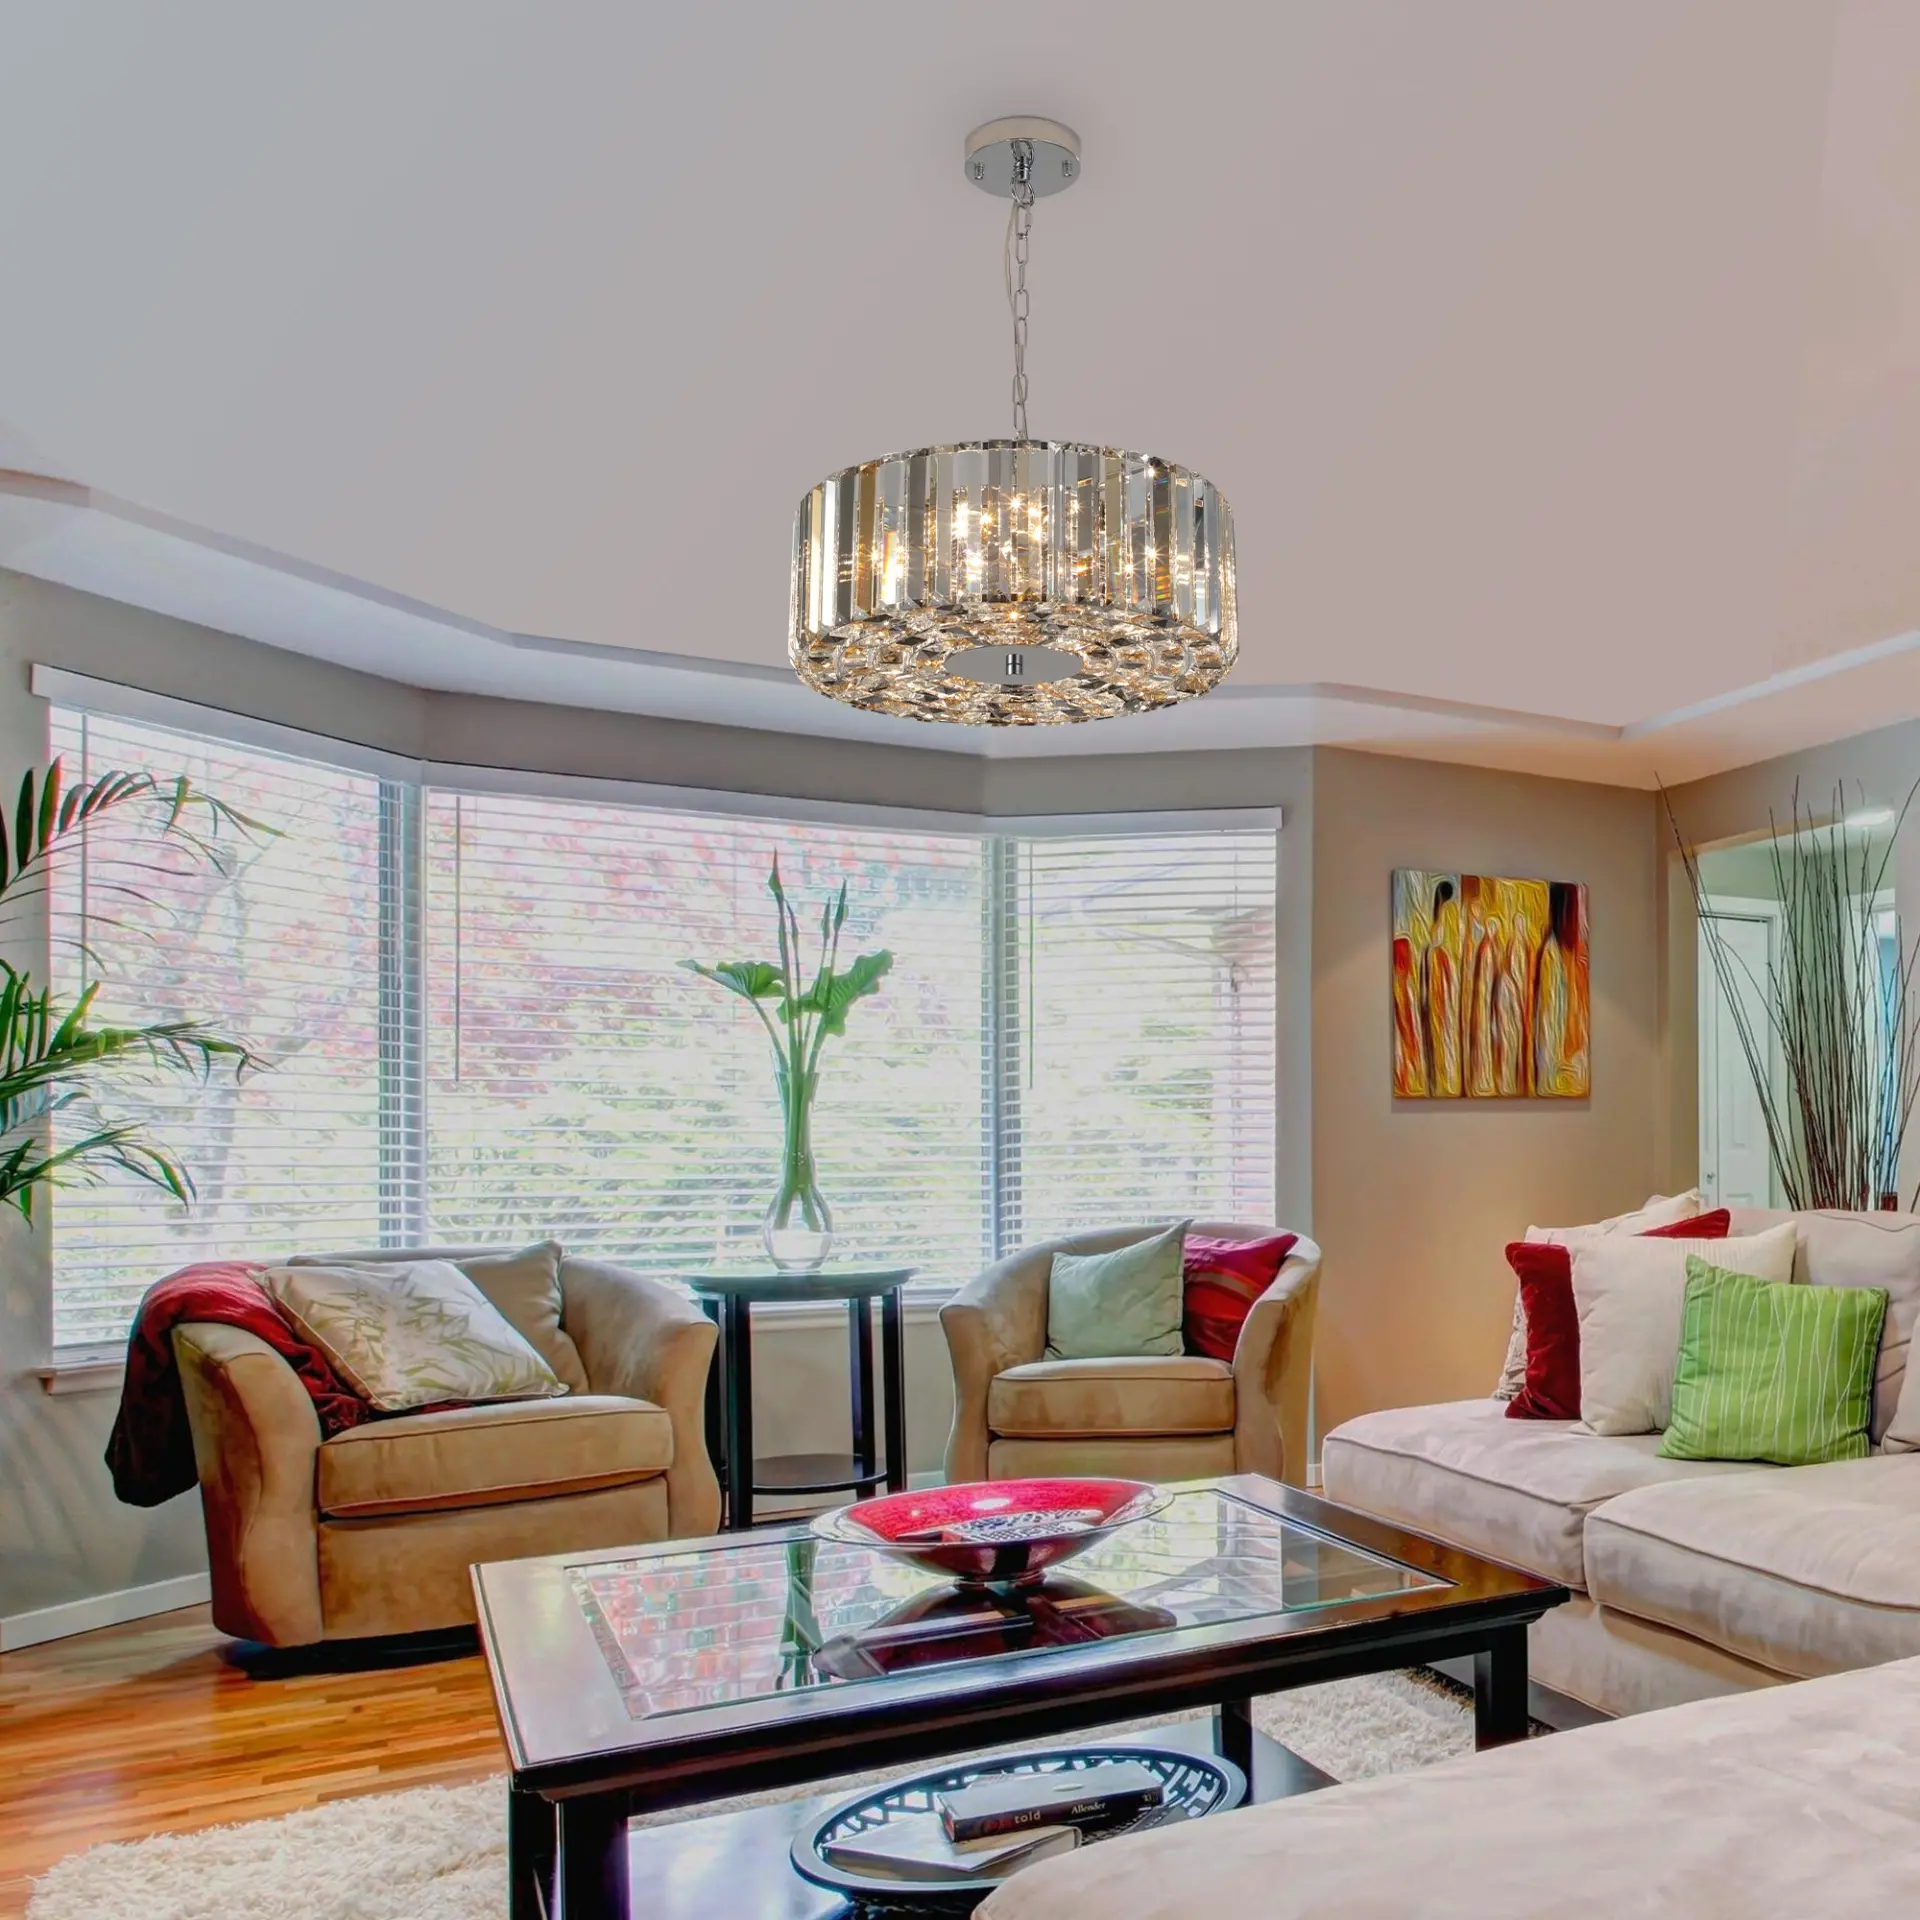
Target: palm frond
{"type": "Point", "coordinates": [55, 1058]}
{"type": "Point", "coordinates": [48, 816]}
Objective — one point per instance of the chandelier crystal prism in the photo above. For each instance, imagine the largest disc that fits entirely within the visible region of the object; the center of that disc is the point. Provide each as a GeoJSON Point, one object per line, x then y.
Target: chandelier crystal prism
{"type": "Point", "coordinates": [1017, 582]}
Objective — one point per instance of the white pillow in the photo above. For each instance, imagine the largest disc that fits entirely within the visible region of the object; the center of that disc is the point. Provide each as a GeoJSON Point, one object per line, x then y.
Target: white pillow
{"type": "Point", "coordinates": [1875, 1250]}
{"type": "Point", "coordinates": [1630, 1293]}
{"type": "Point", "coordinates": [411, 1333]}
{"type": "Point", "coordinates": [1660, 1210]}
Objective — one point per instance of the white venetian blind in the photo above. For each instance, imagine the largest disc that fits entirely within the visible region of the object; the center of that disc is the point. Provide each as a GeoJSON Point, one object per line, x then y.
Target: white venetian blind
{"type": "Point", "coordinates": [581, 1083]}
{"type": "Point", "coordinates": [284, 954]}
{"type": "Point", "coordinates": [477, 1026]}
{"type": "Point", "coordinates": [1137, 1071]}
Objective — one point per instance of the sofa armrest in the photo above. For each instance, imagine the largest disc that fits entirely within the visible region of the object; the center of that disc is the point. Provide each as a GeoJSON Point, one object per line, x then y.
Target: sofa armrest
{"type": "Point", "coordinates": [650, 1342]}
{"type": "Point", "coordinates": [996, 1321]}
{"type": "Point", "coordinates": [255, 1440]}
{"type": "Point", "coordinates": [1273, 1371]}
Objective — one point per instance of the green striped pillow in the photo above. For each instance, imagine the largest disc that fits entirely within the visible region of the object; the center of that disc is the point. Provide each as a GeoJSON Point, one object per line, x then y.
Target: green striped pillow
{"type": "Point", "coordinates": [1773, 1372]}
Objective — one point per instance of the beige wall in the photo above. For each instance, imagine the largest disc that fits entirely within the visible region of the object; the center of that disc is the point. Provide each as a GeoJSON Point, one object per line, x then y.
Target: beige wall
{"type": "Point", "coordinates": [470, 731]}
{"type": "Point", "coordinates": [1414, 1200]}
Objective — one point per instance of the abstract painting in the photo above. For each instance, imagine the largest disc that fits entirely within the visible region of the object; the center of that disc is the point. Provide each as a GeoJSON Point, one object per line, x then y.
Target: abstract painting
{"type": "Point", "coordinates": [1490, 991]}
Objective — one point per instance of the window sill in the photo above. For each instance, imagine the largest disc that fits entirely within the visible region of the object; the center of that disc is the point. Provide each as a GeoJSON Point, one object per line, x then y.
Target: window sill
{"type": "Point", "coordinates": [83, 1372]}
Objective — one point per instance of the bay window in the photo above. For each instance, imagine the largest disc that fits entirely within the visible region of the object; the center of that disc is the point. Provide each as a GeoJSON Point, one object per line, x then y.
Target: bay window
{"type": "Point", "coordinates": [478, 1027]}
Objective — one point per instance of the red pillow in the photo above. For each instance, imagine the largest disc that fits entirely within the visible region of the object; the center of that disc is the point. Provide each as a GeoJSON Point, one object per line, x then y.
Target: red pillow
{"type": "Point", "coordinates": [1222, 1279]}
{"type": "Point", "coordinates": [1545, 1272]}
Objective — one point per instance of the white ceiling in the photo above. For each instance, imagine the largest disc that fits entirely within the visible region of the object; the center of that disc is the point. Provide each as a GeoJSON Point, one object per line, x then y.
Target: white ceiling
{"type": "Point", "coordinates": [1562, 363]}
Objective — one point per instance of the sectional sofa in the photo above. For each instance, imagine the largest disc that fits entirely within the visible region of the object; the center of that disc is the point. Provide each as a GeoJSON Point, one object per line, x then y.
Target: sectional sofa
{"type": "Point", "coordinates": [1798, 1803]}
{"type": "Point", "coordinates": [1690, 1579]}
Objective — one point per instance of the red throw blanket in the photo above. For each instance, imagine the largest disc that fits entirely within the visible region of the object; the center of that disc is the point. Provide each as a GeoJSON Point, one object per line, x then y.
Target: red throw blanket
{"type": "Point", "coordinates": [150, 1452]}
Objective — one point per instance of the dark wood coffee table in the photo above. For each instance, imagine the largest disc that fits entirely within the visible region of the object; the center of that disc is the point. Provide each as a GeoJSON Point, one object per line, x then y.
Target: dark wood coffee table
{"type": "Point", "coordinates": [663, 1676]}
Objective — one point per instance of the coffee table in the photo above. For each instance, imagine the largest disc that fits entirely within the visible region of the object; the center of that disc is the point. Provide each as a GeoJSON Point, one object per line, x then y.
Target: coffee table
{"type": "Point", "coordinates": [663, 1676]}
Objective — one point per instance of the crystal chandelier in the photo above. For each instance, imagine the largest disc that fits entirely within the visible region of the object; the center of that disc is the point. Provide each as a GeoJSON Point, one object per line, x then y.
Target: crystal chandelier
{"type": "Point", "coordinates": [1020, 582]}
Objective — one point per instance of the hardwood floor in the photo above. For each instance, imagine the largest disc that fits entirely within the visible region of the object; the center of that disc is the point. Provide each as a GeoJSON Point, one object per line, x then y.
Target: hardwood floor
{"type": "Point", "coordinates": [151, 1728]}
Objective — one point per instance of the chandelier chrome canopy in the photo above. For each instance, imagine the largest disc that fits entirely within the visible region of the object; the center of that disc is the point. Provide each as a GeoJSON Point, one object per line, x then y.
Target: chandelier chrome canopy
{"type": "Point", "coordinates": [1014, 582]}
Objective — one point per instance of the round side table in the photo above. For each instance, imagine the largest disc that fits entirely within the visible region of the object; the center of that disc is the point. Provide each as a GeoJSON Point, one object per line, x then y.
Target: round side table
{"type": "Point", "coordinates": [728, 1300]}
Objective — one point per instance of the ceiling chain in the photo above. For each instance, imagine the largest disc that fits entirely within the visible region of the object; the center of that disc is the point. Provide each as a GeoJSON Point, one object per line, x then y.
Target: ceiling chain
{"type": "Point", "coordinates": [1019, 234]}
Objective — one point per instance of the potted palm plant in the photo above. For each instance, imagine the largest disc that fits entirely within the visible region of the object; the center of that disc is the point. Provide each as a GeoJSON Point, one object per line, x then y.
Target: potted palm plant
{"type": "Point", "coordinates": [55, 1054]}
{"type": "Point", "coordinates": [800, 1016]}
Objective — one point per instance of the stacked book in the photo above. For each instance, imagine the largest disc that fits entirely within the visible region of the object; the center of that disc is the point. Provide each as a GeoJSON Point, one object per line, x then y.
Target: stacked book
{"type": "Point", "coordinates": [1000, 1823]}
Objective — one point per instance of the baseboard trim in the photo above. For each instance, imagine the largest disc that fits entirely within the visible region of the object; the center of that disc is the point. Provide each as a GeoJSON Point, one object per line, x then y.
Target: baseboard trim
{"type": "Point", "coordinates": [102, 1610]}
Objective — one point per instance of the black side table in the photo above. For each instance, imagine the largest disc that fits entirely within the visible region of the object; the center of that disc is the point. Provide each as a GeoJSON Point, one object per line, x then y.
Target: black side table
{"type": "Point", "coordinates": [728, 1299]}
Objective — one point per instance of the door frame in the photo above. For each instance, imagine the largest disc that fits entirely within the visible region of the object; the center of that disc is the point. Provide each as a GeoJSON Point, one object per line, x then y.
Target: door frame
{"type": "Point", "coordinates": [1707, 1067]}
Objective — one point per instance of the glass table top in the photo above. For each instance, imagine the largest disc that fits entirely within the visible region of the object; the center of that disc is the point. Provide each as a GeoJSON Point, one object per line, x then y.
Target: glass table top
{"type": "Point", "coordinates": [728, 1623]}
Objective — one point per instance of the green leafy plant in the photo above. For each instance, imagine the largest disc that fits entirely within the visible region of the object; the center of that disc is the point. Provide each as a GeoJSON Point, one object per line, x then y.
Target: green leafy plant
{"type": "Point", "coordinates": [54, 1055]}
{"type": "Point", "coordinates": [801, 1018]}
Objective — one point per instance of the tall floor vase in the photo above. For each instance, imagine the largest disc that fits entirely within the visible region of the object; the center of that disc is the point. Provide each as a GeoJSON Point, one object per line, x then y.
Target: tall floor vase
{"type": "Point", "coordinates": [797, 1229]}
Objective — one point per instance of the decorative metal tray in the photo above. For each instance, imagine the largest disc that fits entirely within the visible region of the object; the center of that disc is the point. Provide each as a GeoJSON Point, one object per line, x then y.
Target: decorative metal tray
{"type": "Point", "coordinates": [1196, 1785]}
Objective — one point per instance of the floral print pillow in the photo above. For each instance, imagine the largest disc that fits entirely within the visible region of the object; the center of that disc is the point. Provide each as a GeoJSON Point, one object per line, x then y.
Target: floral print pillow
{"type": "Point", "coordinates": [411, 1334]}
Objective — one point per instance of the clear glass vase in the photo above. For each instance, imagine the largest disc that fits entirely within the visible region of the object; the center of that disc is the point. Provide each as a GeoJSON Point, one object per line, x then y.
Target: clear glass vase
{"type": "Point", "coordinates": [797, 1228]}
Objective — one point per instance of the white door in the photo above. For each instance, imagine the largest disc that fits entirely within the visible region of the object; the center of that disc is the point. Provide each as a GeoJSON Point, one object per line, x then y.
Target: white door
{"type": "Point", "coordinates": [1736, 1169]}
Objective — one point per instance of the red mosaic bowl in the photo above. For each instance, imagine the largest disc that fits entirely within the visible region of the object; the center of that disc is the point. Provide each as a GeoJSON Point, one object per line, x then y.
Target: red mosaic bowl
{"type": "Point", "coordinates": [993, 1531]}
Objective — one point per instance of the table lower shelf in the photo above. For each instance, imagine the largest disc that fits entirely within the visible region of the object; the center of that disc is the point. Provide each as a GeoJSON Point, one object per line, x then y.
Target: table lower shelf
{"type": "Point", "coordinates": [815, 1473]}
{"type": "Point", "coordinates": [737, 1866]}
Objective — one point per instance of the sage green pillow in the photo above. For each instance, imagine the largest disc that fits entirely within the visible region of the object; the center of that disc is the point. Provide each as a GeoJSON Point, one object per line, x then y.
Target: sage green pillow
{"type": "Point", "coordinates": [1773, 1372]}
{"type": "Point", "coordinates": [1106, 1306]}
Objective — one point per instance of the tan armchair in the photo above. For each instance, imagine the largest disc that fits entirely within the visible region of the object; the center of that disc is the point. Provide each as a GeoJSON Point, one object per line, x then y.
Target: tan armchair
{"type": "Point", "coordinates": [1015, 1412]}
{"type": "Point", "coordinates": [372, 1531]}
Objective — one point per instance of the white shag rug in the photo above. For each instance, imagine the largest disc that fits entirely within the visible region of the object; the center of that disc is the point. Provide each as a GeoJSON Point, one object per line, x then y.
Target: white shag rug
{"type": "Point", "coordinates": [439, 1853]}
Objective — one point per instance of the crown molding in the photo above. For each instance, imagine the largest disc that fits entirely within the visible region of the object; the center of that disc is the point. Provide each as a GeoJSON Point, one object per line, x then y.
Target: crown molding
{"type": "Point", "coordinates": [61, 531]}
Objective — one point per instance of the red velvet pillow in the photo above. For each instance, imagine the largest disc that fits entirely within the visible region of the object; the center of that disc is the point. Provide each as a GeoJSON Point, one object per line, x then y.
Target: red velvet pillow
{"type": "Point", "coordinates": [1545, 1272]}
{"type": "Point", "coordinates": [1222, 1279]}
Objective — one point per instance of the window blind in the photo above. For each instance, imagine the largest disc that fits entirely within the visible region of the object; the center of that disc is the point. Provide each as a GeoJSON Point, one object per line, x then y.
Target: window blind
{"type": "Point", "coordinates": [1135, 976]}
{"type": "Point", "coordinates": [478, 1027]}
{"type": "Point", "coordinates": [284, 953]}
{"type": "Point", "coordinates": [582, 1083]}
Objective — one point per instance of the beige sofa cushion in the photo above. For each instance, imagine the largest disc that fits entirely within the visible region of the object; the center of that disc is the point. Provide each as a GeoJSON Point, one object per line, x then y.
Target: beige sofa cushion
{"type": "Point", "coordinates": [413, 1573]}
{"type": "Point", "coordinates": [480, 1456]}
{"type": "Point", "coordinates": [1805, 1570]}
{"type": "Point", "coordinates": [1515, 1490]}
{"type": "Point", "coordinates": [1140, 1394]}
{"type": "Point", "coordinates": [1864, 1250]}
